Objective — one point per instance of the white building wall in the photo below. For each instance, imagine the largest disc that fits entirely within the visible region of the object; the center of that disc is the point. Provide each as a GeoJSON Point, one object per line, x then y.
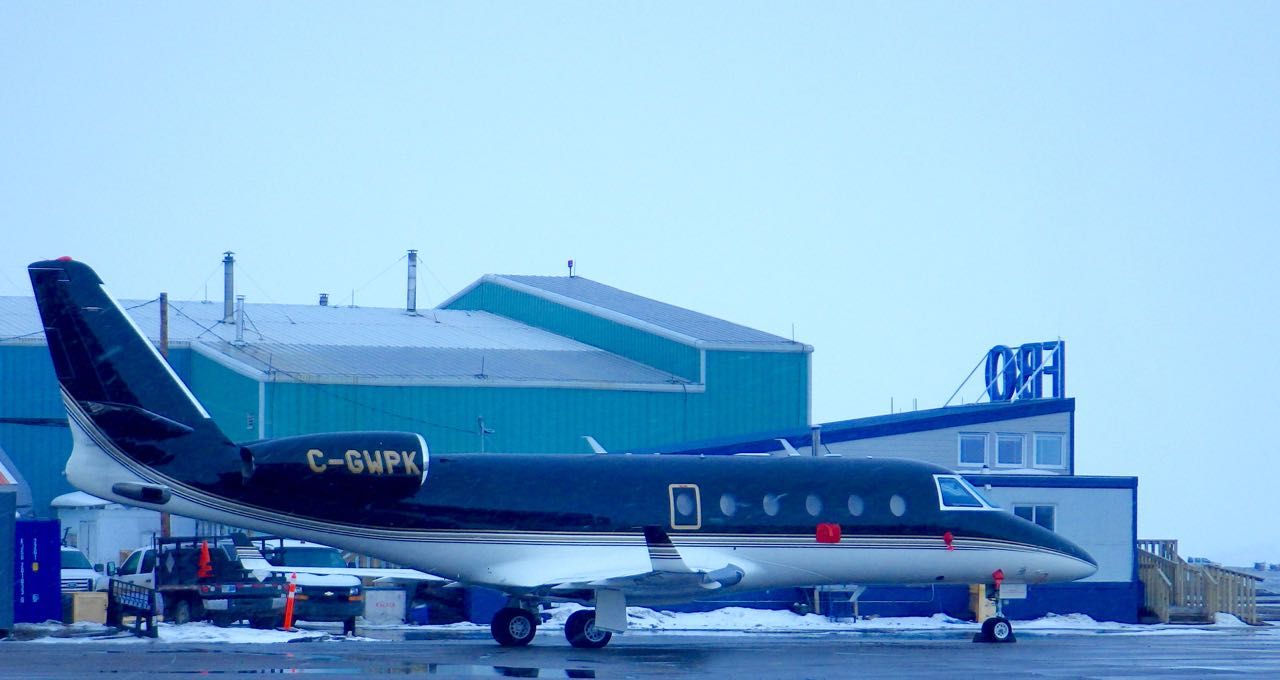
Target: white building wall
{"type": "Point", "coordinates": [1098, 520]}
{"type": "Point", "coordinates": [942, 446]}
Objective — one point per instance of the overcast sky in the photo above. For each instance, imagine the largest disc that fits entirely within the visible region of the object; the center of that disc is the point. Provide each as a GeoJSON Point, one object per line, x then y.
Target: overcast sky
{"type": "Point", "coordinates": [903, 184]}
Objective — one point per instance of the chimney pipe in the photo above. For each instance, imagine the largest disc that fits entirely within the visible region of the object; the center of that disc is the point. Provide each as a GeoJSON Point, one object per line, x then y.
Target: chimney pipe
{"type": "Point", "coordinates": [324, 299]}
{"type": "Point", "coordinates": [411, 305]}
{"type": "Point", "coordinates": [239, 319]}
{"type": "Point", "coordinates": [228, 286]}
{"type": "Point", "coordinates": [815, 434]}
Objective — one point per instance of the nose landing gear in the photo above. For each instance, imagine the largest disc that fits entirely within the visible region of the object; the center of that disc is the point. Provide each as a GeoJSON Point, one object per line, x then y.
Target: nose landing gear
{"type": "Point", "coordinates": [996, 628]}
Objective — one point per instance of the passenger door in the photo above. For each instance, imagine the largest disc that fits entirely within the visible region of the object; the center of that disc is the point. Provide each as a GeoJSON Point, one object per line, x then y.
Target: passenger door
{"type": "Point", "coordinates": [685, 506]}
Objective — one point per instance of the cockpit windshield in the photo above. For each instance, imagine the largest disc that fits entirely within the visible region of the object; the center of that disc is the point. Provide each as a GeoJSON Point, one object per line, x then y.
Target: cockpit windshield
{"type": "Point", "coordinates": [955, 493]}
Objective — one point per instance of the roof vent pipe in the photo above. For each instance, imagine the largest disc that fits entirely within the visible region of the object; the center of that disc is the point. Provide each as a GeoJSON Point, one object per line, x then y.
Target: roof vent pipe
{"type": "Point", "coordinates": [228, 286]}
{"type": "Point", "coordinates": [411, 302]}
{"type": "Point", "coordinates": [815, 433]}
{"type": "Point", "coordinates": [324, 299]}
{"type": "Point", "coordinates": [239, 319]}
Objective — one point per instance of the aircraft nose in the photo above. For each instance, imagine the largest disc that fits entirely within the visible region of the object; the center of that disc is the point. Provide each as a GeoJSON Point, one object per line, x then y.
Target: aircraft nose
{"type": "Point", "coordinates": [1073, 562]}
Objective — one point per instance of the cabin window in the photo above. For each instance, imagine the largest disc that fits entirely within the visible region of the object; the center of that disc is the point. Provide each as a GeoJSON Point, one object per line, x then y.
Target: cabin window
{"type": "Point", "coordinates": [1049, 450]}
{"type": "Point", "coordinates": [856, 506]}
{"type": "Point", "coordinates": [728, 505]}
{"type": "Point", "coordinates": [148, 562]}
{"type": "Point", "coordinates": [955, 494]}
{"type": "Point", "coordinates": [973, 448]}
{"type": "Point", "coordinates": [813, 505]}
{"type": "Point", "coordinates": [897, 505]}
{"type": "Point", "coordinates": [1044, 515]}
{"type": "Point", "coordinates": [1010, 450]}
{"type": "Point", "coordinates": [772, 504]}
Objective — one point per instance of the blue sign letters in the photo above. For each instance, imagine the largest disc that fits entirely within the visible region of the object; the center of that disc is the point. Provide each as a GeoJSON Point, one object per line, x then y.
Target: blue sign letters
{"type": "Point", "coordinates": [1022, 371]}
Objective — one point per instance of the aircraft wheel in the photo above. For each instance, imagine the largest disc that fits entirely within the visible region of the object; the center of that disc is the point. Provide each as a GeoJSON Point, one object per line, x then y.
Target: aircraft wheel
{"type": "Point", "coordinates": [513, 627]}
{"type": "Point", "coordinates": [997, 629]}
{"type": "Point", "coordinates": [581, 630]}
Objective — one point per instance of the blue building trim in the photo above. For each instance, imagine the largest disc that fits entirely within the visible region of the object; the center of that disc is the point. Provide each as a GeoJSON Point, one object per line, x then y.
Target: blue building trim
{"type": "Point", "coordinates": [881, 426]}
{"type": "Point", "coordinates": [1106, 601]}
{"type": "Point", "coordinates": [1056, 482]}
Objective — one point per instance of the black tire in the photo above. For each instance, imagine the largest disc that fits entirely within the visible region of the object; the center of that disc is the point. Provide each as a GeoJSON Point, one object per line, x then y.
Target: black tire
{"type": "Point", "coordinates": [580, 630]}
{"type": "Point", "coordinates": [513, 627]}
{"type": "Point", "coordinates": [180, 611]}
{"type": "Point", "coordinates": [223, 620]}
{"type": "Point", "coordinates": [349, 625]}
{"type": "Point", "coordinates": [997, 629]}
{"type": "Point", "coordinates": [264, 622]}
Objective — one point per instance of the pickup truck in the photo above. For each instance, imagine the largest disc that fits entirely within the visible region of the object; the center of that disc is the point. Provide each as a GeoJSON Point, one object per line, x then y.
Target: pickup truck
{"type": "Point", "coordinates": [202, 578]}
{"type": "Point", "coordinates": [321, 594]}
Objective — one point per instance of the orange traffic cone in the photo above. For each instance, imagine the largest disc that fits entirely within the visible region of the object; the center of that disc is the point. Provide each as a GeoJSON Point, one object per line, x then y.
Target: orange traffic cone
{"type": "Point", "coordinates": [206, 564]}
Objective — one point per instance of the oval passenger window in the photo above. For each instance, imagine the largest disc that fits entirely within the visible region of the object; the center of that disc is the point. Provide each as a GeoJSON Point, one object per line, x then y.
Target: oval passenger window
{"type": "Point", "coordinates": [897, 505]}
{"type": "Point", "coordinates": [855, 505]}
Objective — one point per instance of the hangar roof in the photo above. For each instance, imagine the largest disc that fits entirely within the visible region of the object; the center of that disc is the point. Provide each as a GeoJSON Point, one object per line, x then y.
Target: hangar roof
{"type": "Point", "coordinates": [610, 302]}
{"type": "Point", "coordinates": [371, 345]}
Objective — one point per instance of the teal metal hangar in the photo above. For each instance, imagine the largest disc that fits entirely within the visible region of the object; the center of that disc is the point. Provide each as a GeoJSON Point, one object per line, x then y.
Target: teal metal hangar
{"type": "Point", "coordinates": [509, 364]}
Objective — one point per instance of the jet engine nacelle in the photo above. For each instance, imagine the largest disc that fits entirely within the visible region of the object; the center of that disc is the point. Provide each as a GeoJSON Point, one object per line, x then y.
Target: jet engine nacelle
{"type": "Point", "coordinates": [337, 467]}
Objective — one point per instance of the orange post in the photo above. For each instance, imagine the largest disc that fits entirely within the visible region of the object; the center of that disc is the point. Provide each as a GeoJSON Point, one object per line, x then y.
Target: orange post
{"type": "Point", "coordinates": [288, 601]}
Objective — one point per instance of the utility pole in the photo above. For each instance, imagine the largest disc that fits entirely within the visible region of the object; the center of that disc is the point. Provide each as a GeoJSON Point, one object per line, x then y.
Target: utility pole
{"type": "Point", "coordinates": [165, 523]}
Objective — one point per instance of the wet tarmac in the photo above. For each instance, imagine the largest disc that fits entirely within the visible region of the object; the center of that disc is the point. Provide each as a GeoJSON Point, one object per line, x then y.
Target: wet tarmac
{"type": "Point", "coordinates": [1248, 652]}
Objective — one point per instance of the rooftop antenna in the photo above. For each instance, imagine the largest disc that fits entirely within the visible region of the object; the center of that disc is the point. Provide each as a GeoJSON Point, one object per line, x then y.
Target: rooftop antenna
{"type": "Point", "coordinates": [570, 268]}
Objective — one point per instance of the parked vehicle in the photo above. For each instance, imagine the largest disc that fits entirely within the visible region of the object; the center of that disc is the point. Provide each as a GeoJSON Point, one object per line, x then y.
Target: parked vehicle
{"type": "Point", "coordinates": [77, 574]}
{"type": "Point", "coordinates": [202, 578]}
{"type": "Point", "coordinates": [321, 594]}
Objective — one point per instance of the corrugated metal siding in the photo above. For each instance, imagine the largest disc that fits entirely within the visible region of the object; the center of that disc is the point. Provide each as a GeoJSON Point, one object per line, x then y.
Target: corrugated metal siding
{"type": "Point", "coordinates": [230, 398]}
{"type": "Point", "coordinates": [746, 392]}
{"type": "Point", "coordinates": [667, 355]}
{"type": "Point", "coordinates": [29, 389]}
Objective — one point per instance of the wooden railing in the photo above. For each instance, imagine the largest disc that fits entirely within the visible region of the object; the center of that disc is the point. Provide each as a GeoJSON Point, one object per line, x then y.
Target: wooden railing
{"type": "Point", "coordinates": [1197, 590]}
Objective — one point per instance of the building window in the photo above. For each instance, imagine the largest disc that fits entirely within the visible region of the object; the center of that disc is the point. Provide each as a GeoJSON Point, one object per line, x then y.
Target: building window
{"type": "Point", "coordinates": [1010, 451]}
{"type": "Point", "coordinates": [973, 448]}
{"type": "Point", "coordinates": [1044, 515]}
{"type": "Point", "coordinates": [1050, 451]}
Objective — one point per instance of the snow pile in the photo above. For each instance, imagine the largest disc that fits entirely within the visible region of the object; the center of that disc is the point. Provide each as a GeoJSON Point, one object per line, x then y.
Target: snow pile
{"type": "Point", "coordinates": [1224, 620]}
{"type": "Point", "coordinates": [190, 632]}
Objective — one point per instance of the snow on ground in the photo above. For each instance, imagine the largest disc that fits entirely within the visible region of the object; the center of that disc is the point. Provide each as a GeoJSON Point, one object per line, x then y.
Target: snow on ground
{"type": "Point", "coordinates": [726, 620]}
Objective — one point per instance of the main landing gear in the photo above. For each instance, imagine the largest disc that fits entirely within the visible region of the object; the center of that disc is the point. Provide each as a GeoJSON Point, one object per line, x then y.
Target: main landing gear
{"type": "Point", "coordinates": [580, 630]}
{"type": "Point", "coordinates": [516, 626]}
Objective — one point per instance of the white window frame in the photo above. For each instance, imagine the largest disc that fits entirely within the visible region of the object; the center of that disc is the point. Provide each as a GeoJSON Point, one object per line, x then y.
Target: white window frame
{"type": "Point", "coordinates": [942, 505]}
{"type": "Point", "coordinates": [1033, 506]}
{"type": "Point", "coordinates": [1022, 440]}
{"type": "Point", "coordinates": [1035, 449]}
{"type": "Point", "coordinates": [986, 458]}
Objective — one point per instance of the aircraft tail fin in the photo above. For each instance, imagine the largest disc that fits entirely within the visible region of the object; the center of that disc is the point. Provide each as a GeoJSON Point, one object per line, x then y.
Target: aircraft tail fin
{"type": "Point", "coordinates": [112, 376]}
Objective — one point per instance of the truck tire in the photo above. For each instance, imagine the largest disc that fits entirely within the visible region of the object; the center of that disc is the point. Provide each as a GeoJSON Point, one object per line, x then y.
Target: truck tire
{"type": "Point", "coordinates": [180, 611]}
{"type": "Point", "coordinates": [349, 625]}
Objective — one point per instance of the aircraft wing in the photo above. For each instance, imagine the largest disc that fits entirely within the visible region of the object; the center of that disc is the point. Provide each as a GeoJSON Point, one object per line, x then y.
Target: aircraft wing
{"type": "Point", "coordinates": [664, 574]}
